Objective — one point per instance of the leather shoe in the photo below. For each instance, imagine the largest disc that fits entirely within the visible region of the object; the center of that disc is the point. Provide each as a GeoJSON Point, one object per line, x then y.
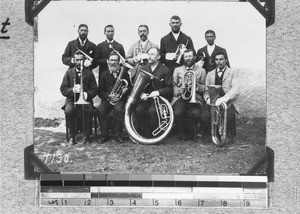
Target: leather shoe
{"type": "Point", "coordinates": [120, 140]}
{"type": "Point", "coordinates": [72, 141]}
{"type": "Point", "coordinates": [103, 139]}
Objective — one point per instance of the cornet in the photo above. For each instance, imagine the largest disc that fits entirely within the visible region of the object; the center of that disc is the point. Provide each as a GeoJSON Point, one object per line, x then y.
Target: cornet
{"type": "Point", "coordinates": [179, 52]}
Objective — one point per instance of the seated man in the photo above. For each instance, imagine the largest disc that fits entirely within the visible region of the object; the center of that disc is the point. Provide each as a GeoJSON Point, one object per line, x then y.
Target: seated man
{"type": "Point", "coordinates": [71, 88]}
{"type": "Point", "coordinates": [183, 107]}
{"type": "Point", "coordinates": [227, 78]}
{"type": "Point", "coordinates": [106, 85]}
{"type": "Point", "coordinates": [145, 110]}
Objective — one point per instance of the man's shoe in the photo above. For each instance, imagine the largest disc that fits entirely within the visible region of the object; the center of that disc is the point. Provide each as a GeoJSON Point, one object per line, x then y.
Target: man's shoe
{"type": "Point", "coordinates": [103, 139]}
{"type": "Point", "coordinates": [120, 140]}
{"type": "Point", "coordinates": [72, 141]}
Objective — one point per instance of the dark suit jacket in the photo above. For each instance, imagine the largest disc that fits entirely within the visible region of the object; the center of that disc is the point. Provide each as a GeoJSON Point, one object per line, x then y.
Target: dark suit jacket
{"type": "Point", "coordinates": [107, 82]}
{"type": "Point", "coordinates": [102, 53]}
{"type": "Point", "coordinates": [209, 61]}
{"type": "Point", "coordinates": [164, 87]}
{"type": "Point", "coordinates": [89, 85]}
{"type": "Point", "coordinates": [168, 44]}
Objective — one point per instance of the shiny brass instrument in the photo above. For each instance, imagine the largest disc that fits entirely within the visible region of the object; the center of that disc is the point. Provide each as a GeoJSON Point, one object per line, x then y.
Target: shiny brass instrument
{"type": "Point", "coordinates": [163, 109]}
{"type": "Point", "coordinates": [80, 137]}
{"type": "Point", "coordinates": [190, 91]}
{"type": "Point", "coordinates": [84, 54]}
{"type": "Point", "coordinates": [218, 116]}
{"type": "Point", "coordinates": [123, 61]}
{"type": "Point", "coordinates": [179, 52]}
{"type": "Point", "coordinates": [119, 87]}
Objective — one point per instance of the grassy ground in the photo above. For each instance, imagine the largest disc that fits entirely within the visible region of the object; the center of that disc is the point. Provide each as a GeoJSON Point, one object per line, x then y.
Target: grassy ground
{"type": "Point", "coordinates": [170, 157]}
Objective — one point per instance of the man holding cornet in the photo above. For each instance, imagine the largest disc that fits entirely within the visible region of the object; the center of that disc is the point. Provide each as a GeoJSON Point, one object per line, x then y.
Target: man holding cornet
{"type": "Point", "coordinates": [114, 95]}
{"type": "Point", "coordinates": [174, 44]}
{"type": "Point", "coordinates": [188, 88]}
{"type": "Point", "coordinates": [77, 82]}
{"type": "Point", "coordinates": [81, 44]}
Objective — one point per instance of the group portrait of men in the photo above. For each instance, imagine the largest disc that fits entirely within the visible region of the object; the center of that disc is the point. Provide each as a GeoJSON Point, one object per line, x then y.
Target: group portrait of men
{"type": "Point", "coordinates": [174, 62]}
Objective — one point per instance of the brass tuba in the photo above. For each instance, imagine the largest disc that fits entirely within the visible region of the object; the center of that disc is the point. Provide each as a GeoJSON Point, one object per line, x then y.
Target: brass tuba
{"type": "Point", "coordinates": [163, 108]}
{"type": "Point", "coordinates": [190, 91]}
{"type": "Point", "coordinates": [218, 116]}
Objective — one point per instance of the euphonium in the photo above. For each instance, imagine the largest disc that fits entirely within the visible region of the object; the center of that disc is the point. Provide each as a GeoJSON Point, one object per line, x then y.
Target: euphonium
{"type": "Point", "coordinates": [190, 91]}
{"type": "Point", "coordinates": [163, 109]}
{"type": "Point", "coordinates": [218, 116]}
{"type": "Point", "coordinates": [118, 87]}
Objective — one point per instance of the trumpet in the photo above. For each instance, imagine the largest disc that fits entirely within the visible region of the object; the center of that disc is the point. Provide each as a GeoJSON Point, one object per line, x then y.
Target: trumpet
{"type": "Point", "coordinates": [190, 91]}
{"type": "Point", "coordinates": [123, 61]}
{"type": "Point", "coordinates": [84, 54]}
{"type": "Point", "coordinates": [179, 52]}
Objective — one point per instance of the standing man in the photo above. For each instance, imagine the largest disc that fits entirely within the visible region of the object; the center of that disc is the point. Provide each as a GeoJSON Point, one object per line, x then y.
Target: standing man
{"type": "Point", "coordinates": [227, 78]}
{"type": "Point", "coordinates": [71, 88]}
{"type": "Point", "coordinates": [170, 43]}
{"type": "Point", "coordinates": [182, 91]}
{"type": "Point", "coordinates": [81, 43]}
{"type": "Point", "coordinates": [137, 53]}
{"type": "Point", "coordinates": [106, 85]}
{"type": "Point", "coordinates": [208, 52]}
{"type": "Point", "coordinates": [104, 49]}
{"type": "Point", "coordinates": [145, 110]}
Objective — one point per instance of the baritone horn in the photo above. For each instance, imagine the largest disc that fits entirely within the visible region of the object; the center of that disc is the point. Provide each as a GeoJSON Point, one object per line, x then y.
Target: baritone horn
{"type": "Point", "coordinates": [179, 52]}
{"type": "Point", "coordinates": [163, 109]}
{"type": "Point", "coordinates": [189, 92]}
{"type": "Point", "coordinates": [218, 116]}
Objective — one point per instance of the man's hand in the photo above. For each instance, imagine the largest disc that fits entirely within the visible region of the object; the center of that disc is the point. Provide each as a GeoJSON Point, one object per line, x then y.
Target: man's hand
{"type": "Point", "coordinates": [154, 94]}
{"type": "Point", "coordinates": [144, 96]}
{"type": "Point", "coordinates": [87, 63]}
{"type": "Point", "coordinates": [221, 99]}
{"type": "Point", "coordinates": [113, 97]}
{"type": "Point", "coordinates": [76, 88]}
{"type": "Point", "coordinates": [124, 90]}
{"type": "Point", "coordinates": [85, 95]}
{"type": "Point", "coordinates": [137, 58]}
{"type": "Point", "coordinates": [208, 101]}
{"type": "Point", "coordinates": [170, 56]}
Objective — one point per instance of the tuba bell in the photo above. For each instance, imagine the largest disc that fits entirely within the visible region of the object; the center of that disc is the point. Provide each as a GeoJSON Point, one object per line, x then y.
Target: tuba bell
{"type": "Point", "coordinates": [190, 91]}
{"type": "Point", "coordinates": [218, 116]}
{"type": "Point", "coordinates": [163, 109]}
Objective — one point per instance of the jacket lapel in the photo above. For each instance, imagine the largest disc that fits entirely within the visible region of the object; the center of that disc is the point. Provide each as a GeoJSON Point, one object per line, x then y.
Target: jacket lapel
{"type": "Point", "coordinates": [226, 74]}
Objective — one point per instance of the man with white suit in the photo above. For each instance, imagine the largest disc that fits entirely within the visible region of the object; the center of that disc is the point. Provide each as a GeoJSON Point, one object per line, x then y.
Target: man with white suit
{"type": "Point", "coordinates": [227, 78]}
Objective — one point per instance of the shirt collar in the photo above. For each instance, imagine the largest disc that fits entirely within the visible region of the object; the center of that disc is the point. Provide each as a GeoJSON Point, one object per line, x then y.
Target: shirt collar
{"type": "Point", "coordinates": [176, 35]}
{"type": "Point", "coordinates": [82, 43]}
{"type": "Point", "coordinates": [218, 69]}
{"type": "Point", "coordinates": [144, 43]}
{"type": "Point", "coordinates": [190, 68]}
{"type": "Point", "coordinates": [110, 41]}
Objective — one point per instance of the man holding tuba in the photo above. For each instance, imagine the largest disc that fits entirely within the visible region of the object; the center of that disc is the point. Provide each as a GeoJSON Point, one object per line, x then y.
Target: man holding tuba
{"type": "Point", "coordinates": [109, 81]}
{"type": "Point", "coordinates": [71, 87]}
{"type": "Point", "coordinates": [188, 88]}
{"type": "Point", "coordinates": [230, 90]}
{"type": "Point", "coordinates": [160, 86]}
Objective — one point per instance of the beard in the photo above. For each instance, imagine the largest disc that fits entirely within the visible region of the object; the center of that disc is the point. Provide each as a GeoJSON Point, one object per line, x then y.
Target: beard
{"type": "Point", "coordinates": [114, 67]}
{"type": "Point", "coordinates": [189, 63]}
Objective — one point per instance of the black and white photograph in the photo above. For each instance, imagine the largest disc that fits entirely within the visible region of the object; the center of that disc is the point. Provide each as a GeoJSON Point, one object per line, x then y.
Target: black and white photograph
{"type": "Point", "coordinates": [150, 87]}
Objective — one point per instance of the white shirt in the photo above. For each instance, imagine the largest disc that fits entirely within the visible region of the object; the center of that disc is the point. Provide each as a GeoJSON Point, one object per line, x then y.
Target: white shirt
{"type": "Point", "coordinates": [210, 49]}
{"type": "Point", "coordinates": [144, 43]}
{"type": "Point", "coordinates": [176, 35]}
{"type": "Point", "coordinates": [219, 72]}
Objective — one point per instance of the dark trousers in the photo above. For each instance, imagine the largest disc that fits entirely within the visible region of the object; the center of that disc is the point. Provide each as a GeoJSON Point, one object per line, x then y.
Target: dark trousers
{"type": "Point", "coordinates": [184, 110]}
{"type": "Point", "coordinates": [146, 117]}
{"type": "Point", "coordinates": [75, 116]}
{"type": "Point", "coordinates": [118, 117]}
{"type": "Point", "coordinates": [206, 120]}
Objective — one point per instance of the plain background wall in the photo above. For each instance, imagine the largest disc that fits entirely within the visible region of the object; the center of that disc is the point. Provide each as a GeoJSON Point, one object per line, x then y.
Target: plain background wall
{"type": "Point", "coordinates": [283, 121]}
